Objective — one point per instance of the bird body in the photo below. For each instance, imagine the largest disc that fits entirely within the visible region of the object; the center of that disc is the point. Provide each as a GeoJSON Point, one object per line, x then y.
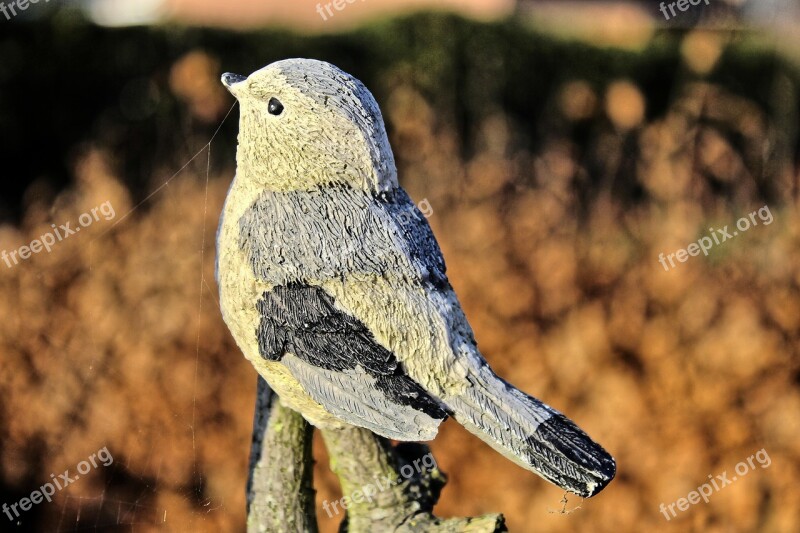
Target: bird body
{"type": "Point", "coordinates": [334, 287]}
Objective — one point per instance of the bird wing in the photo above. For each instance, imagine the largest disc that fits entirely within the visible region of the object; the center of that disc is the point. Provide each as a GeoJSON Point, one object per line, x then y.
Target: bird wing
{"type": "Point", "coordinates": [307, 246]}
{"type": "Point", "coordinates": [341, 366]}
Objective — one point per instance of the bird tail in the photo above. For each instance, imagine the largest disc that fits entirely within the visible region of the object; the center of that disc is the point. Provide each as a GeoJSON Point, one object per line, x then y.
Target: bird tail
{"type": "Point", "coordinates": [532, 434]}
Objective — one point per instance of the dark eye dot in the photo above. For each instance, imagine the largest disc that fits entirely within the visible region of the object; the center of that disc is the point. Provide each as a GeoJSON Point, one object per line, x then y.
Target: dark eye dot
{"type": "Point", "coordinates": [275, 107]}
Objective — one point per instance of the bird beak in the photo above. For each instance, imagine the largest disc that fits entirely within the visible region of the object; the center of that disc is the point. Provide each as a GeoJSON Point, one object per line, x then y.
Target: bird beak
{"type": "Point", "coordinates": [232, 81]}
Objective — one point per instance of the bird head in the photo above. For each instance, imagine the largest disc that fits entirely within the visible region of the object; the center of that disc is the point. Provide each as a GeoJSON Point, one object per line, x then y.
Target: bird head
{"type": "Point", "coordinates": [306, 124]}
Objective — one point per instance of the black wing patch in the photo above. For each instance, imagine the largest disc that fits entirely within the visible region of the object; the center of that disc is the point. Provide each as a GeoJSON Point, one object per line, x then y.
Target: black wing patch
{"type": "Point", "coordinates": [303, 321]}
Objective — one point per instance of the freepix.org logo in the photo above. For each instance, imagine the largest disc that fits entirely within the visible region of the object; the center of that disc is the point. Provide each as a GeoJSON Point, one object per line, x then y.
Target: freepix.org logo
{"type": "Point", "coordinates": [682, 5]}
{"type": "Point", "coordinates": [717, 483]}
{"type": "Point", "coordinates": [715, 237]}
{"type": "Point", "coordinates": [48, 240]}
{"type": "Point", "coordinates": [10, 10]}
{"type": "Point", "coordinates": [60, 482]}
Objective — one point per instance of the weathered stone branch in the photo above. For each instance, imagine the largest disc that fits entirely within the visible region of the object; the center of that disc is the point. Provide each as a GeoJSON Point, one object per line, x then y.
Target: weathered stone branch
{"type": "Point", "coordinates": [280, 492]}
{"type": "Point", "coordinates": [385, 488]}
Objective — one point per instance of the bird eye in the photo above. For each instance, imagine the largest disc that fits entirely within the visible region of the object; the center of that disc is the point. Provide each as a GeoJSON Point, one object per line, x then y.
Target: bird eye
{"type": "Point", "coordinates": [275, 107]}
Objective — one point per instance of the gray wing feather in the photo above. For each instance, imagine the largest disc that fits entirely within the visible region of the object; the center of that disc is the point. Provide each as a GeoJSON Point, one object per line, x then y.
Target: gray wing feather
{"type": "Point", "coordinates": [341, 365]}
{"type": "Point", "coordinates": [354, 397]}
{"type": "Point", "coordinates": [300, 236]}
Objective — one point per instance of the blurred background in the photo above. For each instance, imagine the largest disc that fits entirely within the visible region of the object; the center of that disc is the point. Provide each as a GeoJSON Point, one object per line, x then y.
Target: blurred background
{"type": "Point", "coordinates": [561, 145]}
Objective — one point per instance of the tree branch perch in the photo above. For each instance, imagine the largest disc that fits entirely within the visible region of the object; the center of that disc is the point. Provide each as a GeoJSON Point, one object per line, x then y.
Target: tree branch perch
{"type": "Point", "coordinates": [386, 488]}
{"type": "Point", "coordinates": [280, 492]}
